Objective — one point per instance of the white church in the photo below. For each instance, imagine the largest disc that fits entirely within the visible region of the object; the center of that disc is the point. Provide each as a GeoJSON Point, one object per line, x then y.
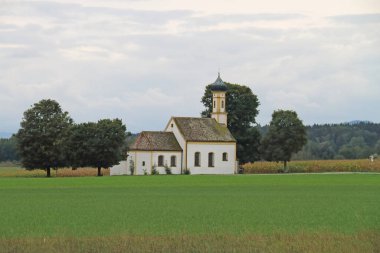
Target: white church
{"type": "Point", "coordinates": [200, 145]}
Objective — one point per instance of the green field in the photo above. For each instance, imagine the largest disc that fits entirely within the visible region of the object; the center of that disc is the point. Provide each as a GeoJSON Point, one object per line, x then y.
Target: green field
{"type": "Point", "coordinates": [272, 213]}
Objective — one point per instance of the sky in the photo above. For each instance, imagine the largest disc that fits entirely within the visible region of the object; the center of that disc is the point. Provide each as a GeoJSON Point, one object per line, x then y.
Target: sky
{"type": "Point", "coordinates": [146, 60]}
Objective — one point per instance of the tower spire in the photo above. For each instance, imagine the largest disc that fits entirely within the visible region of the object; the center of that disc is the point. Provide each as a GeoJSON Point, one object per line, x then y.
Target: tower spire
{"type": "Point", "coordinates": [219, 89]}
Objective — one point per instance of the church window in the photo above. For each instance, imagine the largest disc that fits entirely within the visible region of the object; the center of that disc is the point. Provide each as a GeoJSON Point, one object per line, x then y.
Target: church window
{"type": "Point", "coordinates": [222, 104]}
{"type": "Point", "coordinates": [143, 163]}
{"type": "Point", "coordinates": [160, 160]}
{"type": "Point", "coordinates": [197, 159]}
{"type": "Point", "coordinates": [172, 125]}
{"type": "Point", "coordinates": [214, 104]}
{"type": "Point", "coordinates": [173, 161]}
{"type": "Point", "coordinates": [210, 159]}
{"type": "Point", "coordinates": [225, 156]}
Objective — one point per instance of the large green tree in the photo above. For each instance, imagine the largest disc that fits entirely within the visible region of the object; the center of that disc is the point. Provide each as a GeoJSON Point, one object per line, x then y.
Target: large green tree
{"type": "Point", "coordinates": [286, 135]}
{"type": "Point", "coordinates": [40, 139]}
{"type": "Point", "coordinates": [242, 108]}
{"type": "Point", "coordinates": [98, 145]}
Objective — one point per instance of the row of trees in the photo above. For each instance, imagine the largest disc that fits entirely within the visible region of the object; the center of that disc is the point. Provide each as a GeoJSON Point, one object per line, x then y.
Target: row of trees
{"type": "Point", "coordinates": [48, 138]}
{"type": "Point", "coordinates": [8, 150]}
{"type": "Point", "coordinates": [341, 141]}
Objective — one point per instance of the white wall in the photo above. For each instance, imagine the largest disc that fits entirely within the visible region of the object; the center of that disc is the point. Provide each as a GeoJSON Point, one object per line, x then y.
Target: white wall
{"type": "Point", "coordinates": [167, 156]}
{"type": "Point", "coordinates": [144, 160]}
{"type": "Point", "coordinates": [220, 166]}
{"type": "Point", "coordinates": [120, 169]}
{"type": "Point", "coordinates": [178, 136]}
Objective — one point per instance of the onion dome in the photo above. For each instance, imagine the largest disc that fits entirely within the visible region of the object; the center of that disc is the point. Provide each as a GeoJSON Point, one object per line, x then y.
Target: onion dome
{"type": "Point", "coordinates": [218, 85]}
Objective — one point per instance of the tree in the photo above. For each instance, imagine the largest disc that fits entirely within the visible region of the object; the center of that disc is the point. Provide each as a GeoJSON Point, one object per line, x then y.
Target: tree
{"type": "Point", "coordinates": [241, 106]}
{"type": "Point", "coordinates": [98, 145]}
{"type": "Point", "coordinates": [41, 136]}
{"type": "Point", "coordinates": [286, 135]}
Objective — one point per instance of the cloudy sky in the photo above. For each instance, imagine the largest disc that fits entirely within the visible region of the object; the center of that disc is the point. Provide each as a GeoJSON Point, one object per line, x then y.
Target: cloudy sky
{"type": "Point", "coordinates": [146, 60]}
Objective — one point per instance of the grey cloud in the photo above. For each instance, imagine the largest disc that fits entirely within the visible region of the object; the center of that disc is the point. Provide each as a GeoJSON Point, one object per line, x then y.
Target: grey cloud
{"type": "Point", "coordinates": [357, 19]}
{"type": "Point", "coordinates": [99, 62]}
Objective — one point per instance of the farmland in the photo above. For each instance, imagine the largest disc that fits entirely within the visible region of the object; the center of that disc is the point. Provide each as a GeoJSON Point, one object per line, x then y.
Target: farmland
{"type": "Point", "coordinates": [316, 166]}
{"type": "Point", "coordinates": [245, 213]}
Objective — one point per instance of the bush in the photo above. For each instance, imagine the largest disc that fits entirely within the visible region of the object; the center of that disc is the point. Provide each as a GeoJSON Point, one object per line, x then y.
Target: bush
{"type": "Point", "coordinates": [132, 167]}
{"type": "Point", "coordinates": [168, 170]}
{"type": "Point", "coordinates": [186, 172]}
{"type": "Point", "coordinates": [155, 171]}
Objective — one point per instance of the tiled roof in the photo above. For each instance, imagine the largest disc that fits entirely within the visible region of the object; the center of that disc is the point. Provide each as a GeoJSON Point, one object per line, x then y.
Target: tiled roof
{"type": "Point", "coordinates": [156, 141]}
{"type": "Point", "coordinates": [203, 130]}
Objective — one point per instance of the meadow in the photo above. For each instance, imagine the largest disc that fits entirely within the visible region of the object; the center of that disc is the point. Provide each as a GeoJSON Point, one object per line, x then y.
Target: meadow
{"type": "Point", "coordinates": [240, 213]}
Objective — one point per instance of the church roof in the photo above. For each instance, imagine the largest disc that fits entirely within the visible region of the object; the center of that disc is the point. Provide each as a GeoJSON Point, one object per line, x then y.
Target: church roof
{"type": "Point", "coordinates": [156, 141]}
{"type": "Point", "coordinates": [203, 130]}
{"type": "Point", "coordinates": [218, 85]}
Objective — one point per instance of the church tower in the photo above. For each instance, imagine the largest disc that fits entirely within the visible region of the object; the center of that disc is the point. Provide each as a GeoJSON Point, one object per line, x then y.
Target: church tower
{"type": "Point", "coordinates": [219, 89]}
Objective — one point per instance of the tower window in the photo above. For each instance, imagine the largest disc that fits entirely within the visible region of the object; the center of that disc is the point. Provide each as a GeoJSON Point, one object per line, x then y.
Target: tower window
{"type": "Point", "coordinates": [210, 159]}
{"type": "Point", "coordinates": [161, 160]}
{"type": "Point", "coordinates": [143, 163]}
{"type": "Point", "coordinates": [214, 104]}
{"type": "Point", "coordinates": [197, 159]}
{"type": "Point", "coordinates": [173, 161]}
{"type": "Point", "coordinates": [225, 156]}
{"type": "Point", "coordinates": [222, 104]}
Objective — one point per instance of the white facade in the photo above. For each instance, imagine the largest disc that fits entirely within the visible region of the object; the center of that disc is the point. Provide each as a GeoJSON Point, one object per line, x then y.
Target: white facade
{"type": "Point", "coordinates": [144, 162]}
{"type": "Point", "coordinates": [219, 166]}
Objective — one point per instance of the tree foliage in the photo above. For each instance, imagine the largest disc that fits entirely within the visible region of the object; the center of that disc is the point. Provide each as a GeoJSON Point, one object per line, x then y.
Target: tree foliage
{"type": "Point", "coordinates": [341, 141]}
{"type": "Point", "coordinates": [8, 150]}
{"type": "Point", "coordinates": [286, 135]}
{"type": "Point", "coordinates": [98, 145]}
{"type": "Point", "coordinates": [40, 139]}
{"type": "Point", "coordinates": [242, 108]}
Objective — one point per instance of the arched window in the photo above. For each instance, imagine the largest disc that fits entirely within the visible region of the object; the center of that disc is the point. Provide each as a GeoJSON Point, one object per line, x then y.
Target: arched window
{"type": "Point", "coordinates": [225, 156]}
{"type": "Point", "coordinates": [173, 161]}
{"type": "Point", "coordinates": [210, 159]}
{"type": "Point", "coordinates": [222, 104]}
{"type": "Point", "coordinates": [214, 104]}
{"type": "Point", "coordinates": [197, 159]}
{"type": "Point", "coordinates": [160, 160]}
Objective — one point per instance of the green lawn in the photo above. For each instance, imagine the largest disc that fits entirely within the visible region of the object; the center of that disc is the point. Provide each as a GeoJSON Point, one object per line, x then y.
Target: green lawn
{"type": "Point", "coordinates": [258, 206]}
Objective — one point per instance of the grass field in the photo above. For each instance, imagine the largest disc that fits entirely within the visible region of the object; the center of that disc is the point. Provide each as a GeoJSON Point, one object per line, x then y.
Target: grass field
{"type": "Point", "coordinates": [241, 213]}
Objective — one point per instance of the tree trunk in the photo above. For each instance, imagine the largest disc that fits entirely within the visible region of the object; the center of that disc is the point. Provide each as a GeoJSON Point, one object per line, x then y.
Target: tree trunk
{"type": "Point", "coordinates": [285, 166]}
{"type": "Point", "coordinates": [48, 172]}
{"type": "Point", "coordinates": [100, 171]}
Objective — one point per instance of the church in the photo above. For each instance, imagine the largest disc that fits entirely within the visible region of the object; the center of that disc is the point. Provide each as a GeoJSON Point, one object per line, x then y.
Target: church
{"type": "Point", "coordinates": [187, 144]}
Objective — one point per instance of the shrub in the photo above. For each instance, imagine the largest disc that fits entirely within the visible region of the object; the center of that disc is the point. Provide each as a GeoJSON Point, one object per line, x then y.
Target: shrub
{"type": "Point", "coordinates": [132, 167]}
{"type": "Point", "coordinates": [168, 170]}
{"type": "Point", "coordinates": [186, 172]}
{"type": "Point", "coordinates": [154, 170]}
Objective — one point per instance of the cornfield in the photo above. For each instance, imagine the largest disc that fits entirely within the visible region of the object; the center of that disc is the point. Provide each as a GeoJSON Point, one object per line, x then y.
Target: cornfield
{"type": "Point", "coordinates": [315, 166]}
{"type": "Point", "coordinates": [65, 172]}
